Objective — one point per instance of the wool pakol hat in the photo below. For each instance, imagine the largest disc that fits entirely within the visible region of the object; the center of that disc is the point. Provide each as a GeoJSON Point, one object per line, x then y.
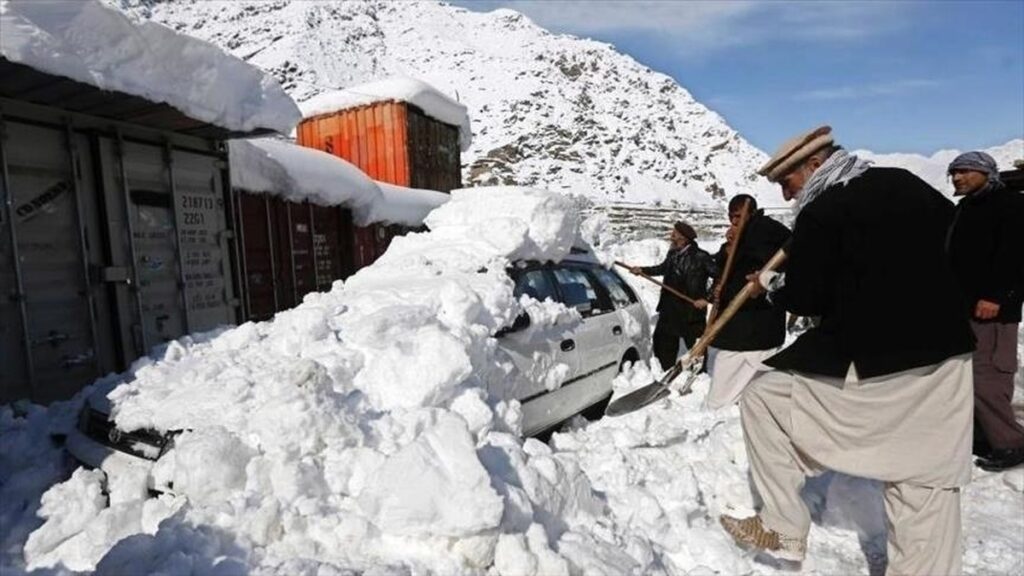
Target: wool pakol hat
{"type": "Point", "coordinates": [685, 229]}
{"type": "Point", "coordinates": [795, 151]}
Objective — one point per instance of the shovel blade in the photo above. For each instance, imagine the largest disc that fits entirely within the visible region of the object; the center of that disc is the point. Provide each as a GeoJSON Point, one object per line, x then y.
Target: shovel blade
{"type": "Point", "coordinates": [637, 399]}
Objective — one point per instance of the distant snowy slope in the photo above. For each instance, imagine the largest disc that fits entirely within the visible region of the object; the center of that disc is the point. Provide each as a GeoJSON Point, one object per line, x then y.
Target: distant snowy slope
{"type": "Point", "coordinates": [548, 110]}
{"type": "Point", "coordinates": [932, 169]}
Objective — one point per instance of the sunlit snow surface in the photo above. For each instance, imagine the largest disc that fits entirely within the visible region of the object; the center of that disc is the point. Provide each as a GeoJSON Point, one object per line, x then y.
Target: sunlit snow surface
{"type": "Point", "coordinates": [88, 41]}
{"type": "Point", "coordinates": [365, 431]}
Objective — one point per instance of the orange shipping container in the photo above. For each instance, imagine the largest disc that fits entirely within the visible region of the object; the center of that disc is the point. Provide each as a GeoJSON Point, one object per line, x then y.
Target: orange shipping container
{"type": "Point", "coordinates": [393, 142]}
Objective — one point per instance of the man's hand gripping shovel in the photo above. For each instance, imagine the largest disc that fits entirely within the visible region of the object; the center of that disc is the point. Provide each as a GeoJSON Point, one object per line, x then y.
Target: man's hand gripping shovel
{"type": "Point", "coordinates": [691, 362]}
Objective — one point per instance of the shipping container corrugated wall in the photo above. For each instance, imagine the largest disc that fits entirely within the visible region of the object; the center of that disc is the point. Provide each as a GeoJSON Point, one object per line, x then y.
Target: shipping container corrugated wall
{"type": "Point", "coordinates": [110, 243]}
{"type": "Point", "coordinates": [391, 142]}
{"type": "Point", "coordinates": [290, 250]}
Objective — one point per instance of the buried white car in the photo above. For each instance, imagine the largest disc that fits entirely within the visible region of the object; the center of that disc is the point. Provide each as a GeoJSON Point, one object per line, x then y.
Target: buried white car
{"type": "Point", "coordinates": [565, 363]}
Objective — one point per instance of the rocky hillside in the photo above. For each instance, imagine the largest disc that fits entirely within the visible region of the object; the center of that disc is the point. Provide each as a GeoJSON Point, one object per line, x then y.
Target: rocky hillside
{"type": "Point", "coordinates": [548, 110]}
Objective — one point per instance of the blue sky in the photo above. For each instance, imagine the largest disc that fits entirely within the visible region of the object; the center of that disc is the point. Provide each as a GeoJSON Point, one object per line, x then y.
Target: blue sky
{"type": "Point", "coordinates": [888, 76]}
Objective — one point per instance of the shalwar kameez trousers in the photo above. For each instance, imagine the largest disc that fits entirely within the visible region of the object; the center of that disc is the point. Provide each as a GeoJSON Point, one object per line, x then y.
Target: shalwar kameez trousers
{"type": "Point", "coordinates": [796, 426]}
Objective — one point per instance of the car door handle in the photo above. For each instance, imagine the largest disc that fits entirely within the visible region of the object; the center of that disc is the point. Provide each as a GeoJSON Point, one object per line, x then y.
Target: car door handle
{"type": "Point", "coordinates": [616, 330]}
{"type": "Point", "coordinates": [568, 345]}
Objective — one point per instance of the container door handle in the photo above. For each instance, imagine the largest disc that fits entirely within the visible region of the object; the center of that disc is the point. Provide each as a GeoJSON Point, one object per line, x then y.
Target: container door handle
{"type": "Point", "coordinates": [568, 345]}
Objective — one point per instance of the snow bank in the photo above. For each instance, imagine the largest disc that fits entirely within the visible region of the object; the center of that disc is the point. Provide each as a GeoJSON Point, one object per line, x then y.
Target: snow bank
{"type": "Point", "coordinates": [97, 45]}
{"type": "Point", "coordinates": [304, 456]}
{"type": "Point", "coordinates": [369, 426]}
{"type": "Point", "coordinates": [433, 102]}
{"type": "Point", "coordinates": [297, 173]}
{"type": "Point", "coordinates": [401, 205]}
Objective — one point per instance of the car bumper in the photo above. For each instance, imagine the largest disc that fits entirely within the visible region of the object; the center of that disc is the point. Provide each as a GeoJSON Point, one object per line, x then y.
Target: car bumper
{"type": "Point", "coordinates": [112, 462]}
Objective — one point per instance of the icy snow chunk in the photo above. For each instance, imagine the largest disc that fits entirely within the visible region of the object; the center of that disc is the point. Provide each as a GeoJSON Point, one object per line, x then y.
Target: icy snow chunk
{"type": "Point", "coordinates": [432, 101]}
{"type": "Point", "coordinates": [205, 465]}
{"type": "Point", "coordinates": [97, 45]}
{"type": "Point", "coordinates": [533, 224]}
{"type": "Point", "coordinates": [68, 508]}
{"type": "Point", "coordinates": [400, 205]}
{"type": "Point", "coordinates": [528, 555]}
{"type": "Point", "coordinates": [297, 173]}
{"type": "Point", "coordinates": [433, 486]}
{"type": "Point", "coordinates": [419, 367]}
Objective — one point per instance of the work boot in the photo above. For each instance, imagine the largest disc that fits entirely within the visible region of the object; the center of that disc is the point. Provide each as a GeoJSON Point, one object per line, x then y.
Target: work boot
{"type": "Point", "coordinates": [750, 532]}
{"type": "Point", "coordinates": [999, 460]}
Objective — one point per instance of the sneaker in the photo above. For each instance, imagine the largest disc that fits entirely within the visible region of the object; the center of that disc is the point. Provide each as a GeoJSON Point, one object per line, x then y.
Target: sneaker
{"type": "Point", "coordinates": [750, 532]}
{"type": "Point", "coordinates": [999, 460]}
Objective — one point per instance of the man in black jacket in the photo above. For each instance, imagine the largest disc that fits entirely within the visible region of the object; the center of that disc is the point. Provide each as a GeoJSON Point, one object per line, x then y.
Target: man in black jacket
{"type": "Point", "coordinates": [986, 247]}
{"type": "Point", "coordinates": [881, 388]}
{"type": "Point", "coordinates": [688, 269]}
{"type": "Point", "coordinates": [758, 329]}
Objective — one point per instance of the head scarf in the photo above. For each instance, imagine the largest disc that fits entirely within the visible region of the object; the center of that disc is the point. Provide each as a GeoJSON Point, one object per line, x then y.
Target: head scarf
{"type": "Point", "coordinates": [978, 162]}
{"type": "Point", "coordinates": [839, 168]}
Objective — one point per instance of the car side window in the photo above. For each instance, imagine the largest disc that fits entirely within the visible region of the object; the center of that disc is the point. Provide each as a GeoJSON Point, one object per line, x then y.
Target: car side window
{"type": "Point", "coordinates": [537, 284]}
{"type": "Point", "coordinates": [578, 291]}
{"type": "Point", "coordinates": [618, 292]}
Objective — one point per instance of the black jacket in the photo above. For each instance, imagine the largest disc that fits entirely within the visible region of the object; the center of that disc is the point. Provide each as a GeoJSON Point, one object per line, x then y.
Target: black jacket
{"type": "Point", "coordinates": [986, 247]}
{"type": "Point", "coordinates": [688, 270]}
{"type": "Point", "coordinates": [869, 259]}
{"type": "Point", "coordinates": [758, 325]}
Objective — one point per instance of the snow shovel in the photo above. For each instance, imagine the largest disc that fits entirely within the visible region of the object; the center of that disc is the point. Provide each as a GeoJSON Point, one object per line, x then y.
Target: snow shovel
{"type": "Point", "coordinates": [670, 289]}
{"type": "Point", "coordinates": [691, 361]}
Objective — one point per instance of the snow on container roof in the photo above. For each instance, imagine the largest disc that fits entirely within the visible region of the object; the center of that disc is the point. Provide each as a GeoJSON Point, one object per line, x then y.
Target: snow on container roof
{"type": "Point", "coordinates": [297, 173]}
{"type": "Point", "coordinates": [433, 102]}
{"type": "Point", "coordinates": [400, 205]}
{"type": "Point", "coordinates": [93, 44]}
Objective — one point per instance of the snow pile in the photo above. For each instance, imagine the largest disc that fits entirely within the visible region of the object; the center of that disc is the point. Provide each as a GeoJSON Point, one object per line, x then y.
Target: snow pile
{"type": "Point", "coordinates": [89, 42]}
{"type": "Point", "coordinates": [366, 427]}
{"type": "Point", "coordinates": [401, 205]}
{"type": "Point", "coordinates": [430, 100]}
{"type": "Point", "coordinates": [366, 431]}
{"type": "Point", "coordinates": [30, 461]}
{"type": "Point", "coordinates": [297, 173]}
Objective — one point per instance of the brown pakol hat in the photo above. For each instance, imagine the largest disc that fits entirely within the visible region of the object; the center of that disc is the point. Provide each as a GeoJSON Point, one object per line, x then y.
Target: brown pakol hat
{"type": "Point", "coordinates": [795, 151]}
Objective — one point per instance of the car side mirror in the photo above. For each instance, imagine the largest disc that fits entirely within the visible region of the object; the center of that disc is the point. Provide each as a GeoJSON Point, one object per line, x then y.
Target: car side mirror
{"type": "Point", "coordinates": [522, 322]}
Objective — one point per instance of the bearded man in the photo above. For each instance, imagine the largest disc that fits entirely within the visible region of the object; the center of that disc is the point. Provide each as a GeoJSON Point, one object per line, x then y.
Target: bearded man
{"type": "Point", "coordinates": [881, 387]}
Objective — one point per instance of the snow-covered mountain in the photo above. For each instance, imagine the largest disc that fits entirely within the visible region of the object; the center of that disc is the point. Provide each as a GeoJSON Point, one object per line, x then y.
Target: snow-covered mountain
{"type": "Point", "coordinates": [548, 110]}
{"type": "Point", "coordinates": [932, 169]}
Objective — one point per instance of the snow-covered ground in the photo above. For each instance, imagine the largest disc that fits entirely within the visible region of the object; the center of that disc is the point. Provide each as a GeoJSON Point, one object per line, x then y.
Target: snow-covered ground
{"type": "Point", "coordinates": [366, 431]}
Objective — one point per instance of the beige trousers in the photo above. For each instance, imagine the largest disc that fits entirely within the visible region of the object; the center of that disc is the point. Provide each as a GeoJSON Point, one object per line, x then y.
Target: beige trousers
{"type": "Point", "coordinates": [911, 430]}
{"type": "Point", "coordinates": [731, 372]}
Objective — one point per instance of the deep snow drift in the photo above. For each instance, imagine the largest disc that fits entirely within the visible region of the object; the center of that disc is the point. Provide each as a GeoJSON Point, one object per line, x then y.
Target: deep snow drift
{"type": "Point", "coordinates": [92, 43]}
{"type": "Point", "coordinates": [366, 430]}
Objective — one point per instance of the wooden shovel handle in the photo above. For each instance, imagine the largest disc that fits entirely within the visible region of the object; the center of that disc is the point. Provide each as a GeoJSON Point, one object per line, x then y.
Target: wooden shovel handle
{"type": "Point", "coordinates": [715, 327]}
{"type": "Point", "coordinates": [729, 259]}
{"type": "Point", "coordinates": [670, 289]}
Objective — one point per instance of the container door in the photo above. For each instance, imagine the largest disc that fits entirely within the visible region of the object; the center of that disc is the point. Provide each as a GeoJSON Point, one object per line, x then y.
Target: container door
{"type": "Point", "coordinates": [152, 211]}
{"type": "Point", "coordinates": [302, 250]}
{"type": "Point", "coordinates": [205, 249]}
{"type": "Point", "coordinates": [52, 339]}
{"type": "Point", "coordinates": [326, 246]}
{"type": "Point", "coordinates": [260, 263]}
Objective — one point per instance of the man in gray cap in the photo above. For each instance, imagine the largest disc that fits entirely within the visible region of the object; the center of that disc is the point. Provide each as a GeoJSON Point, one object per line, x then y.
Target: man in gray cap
{"type": "Point", "coordinates": [986, 247]}
{"type": "Point", "coordinates": [688, 269]}
{"type": "Point", "coordinates": [881, 387]}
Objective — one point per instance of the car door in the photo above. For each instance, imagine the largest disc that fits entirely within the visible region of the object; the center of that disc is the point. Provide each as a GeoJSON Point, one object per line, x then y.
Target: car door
{"type": "Point", "coordinates": [542, 361]}
{"type": "Point", "coordinates": [630, 311]}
